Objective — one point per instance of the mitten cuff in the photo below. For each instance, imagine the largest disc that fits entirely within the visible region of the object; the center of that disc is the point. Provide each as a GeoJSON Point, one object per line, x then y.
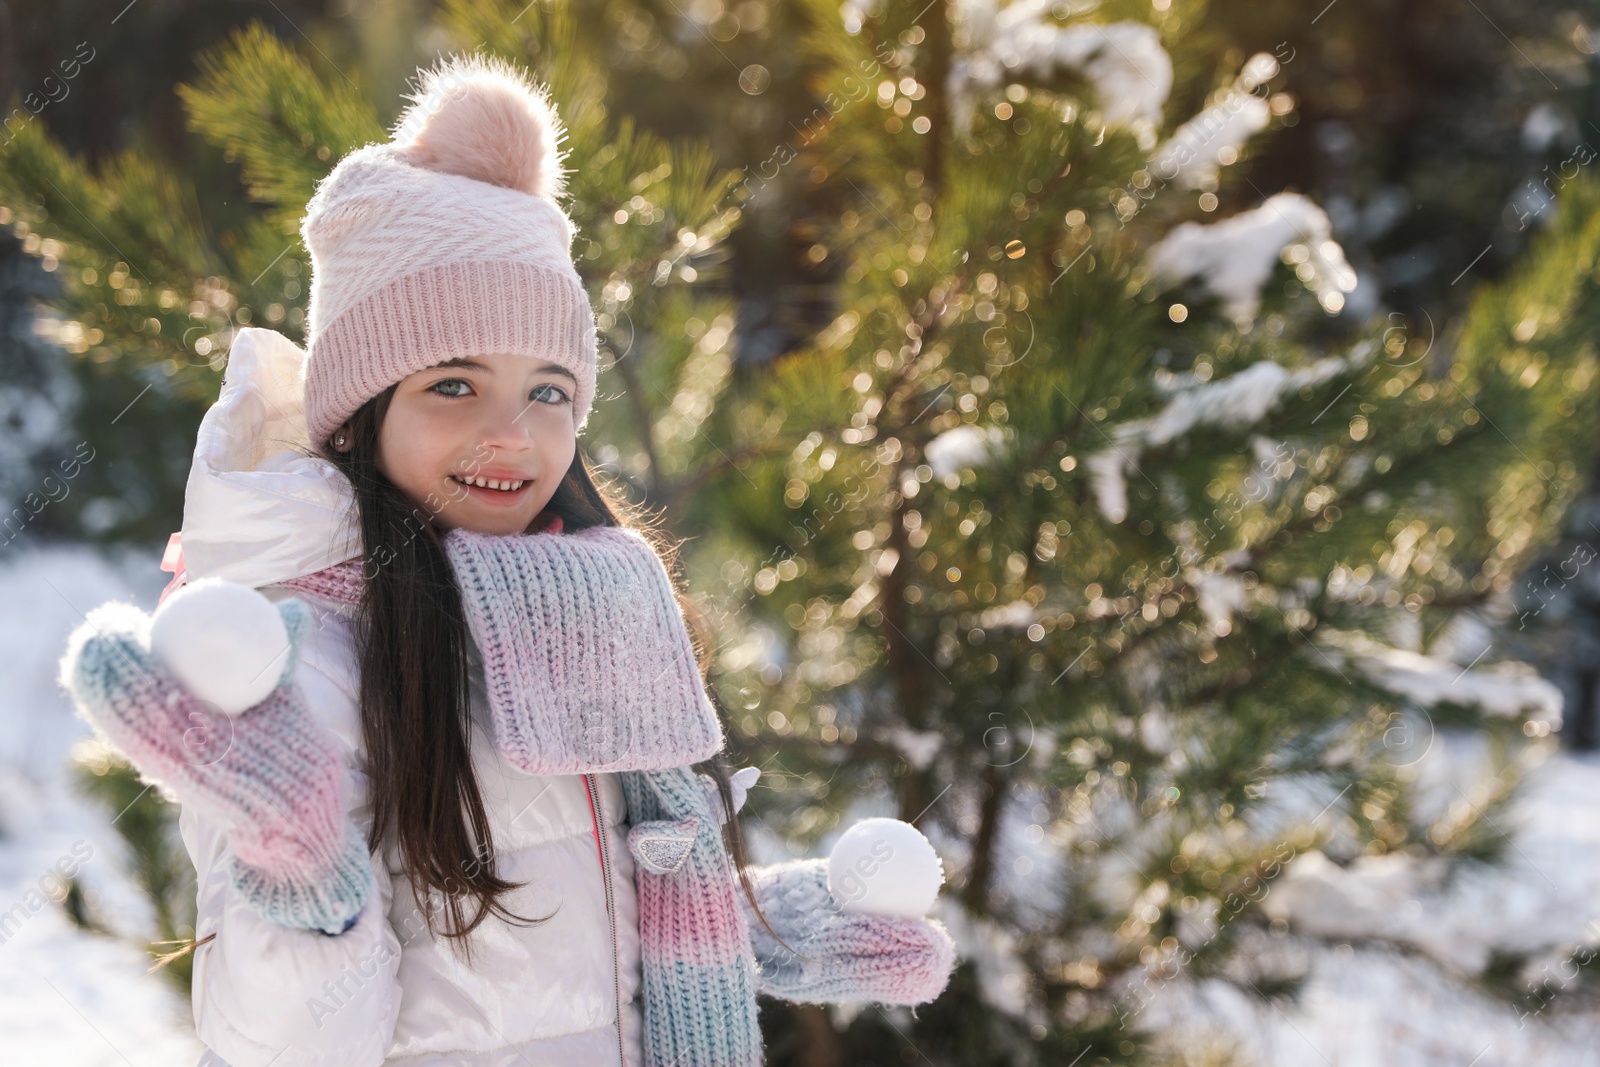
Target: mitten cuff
{"type": "Point", "coordinates": [326, 899]}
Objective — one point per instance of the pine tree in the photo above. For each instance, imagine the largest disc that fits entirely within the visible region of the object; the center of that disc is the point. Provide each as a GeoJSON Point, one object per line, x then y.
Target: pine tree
{"type": "Point", "coordinates": [1087, 535]}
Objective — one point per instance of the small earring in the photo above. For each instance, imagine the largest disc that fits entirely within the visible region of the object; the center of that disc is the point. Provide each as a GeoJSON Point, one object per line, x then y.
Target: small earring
{"type": "Point", "coordinates": [339, 440]}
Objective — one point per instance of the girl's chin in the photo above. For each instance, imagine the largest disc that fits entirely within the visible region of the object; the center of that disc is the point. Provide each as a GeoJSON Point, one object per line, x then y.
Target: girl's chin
{"type": "Point", "coordinates": [547, 522]}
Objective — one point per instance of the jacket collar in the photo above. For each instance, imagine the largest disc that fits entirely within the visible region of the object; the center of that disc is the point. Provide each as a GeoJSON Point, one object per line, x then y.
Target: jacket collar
{"type": "Point", "coordinates": [258, 509]}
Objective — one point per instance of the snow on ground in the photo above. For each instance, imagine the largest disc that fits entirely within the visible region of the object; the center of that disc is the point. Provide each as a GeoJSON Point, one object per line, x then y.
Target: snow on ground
{"type": "Point", "coordinates": [1369, 1008]}
{"type": "Point", "coordinates": [1367, 1005]}
{"type": "Point", "coordinates": [68, 998]}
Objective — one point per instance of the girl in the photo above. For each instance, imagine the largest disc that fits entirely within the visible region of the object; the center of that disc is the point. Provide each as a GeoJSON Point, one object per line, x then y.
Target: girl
{"type": "Point", "coordinates": [464, 827]}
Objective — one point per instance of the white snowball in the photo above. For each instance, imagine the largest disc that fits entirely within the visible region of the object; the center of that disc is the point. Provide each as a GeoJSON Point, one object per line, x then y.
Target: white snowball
{"type": "Point", "coordinates": [884, 867]}
{"type": "Point", "coordinates": [225, 642]}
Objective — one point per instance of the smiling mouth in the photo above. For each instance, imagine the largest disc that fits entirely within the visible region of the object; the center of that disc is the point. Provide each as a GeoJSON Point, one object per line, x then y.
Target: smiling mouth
{"type": "Point", "coordinates": [494, 484]}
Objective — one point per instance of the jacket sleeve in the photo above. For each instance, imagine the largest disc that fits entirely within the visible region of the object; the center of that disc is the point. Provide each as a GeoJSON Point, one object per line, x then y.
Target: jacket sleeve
{"type": "Point", "coordinates": [269, 994]}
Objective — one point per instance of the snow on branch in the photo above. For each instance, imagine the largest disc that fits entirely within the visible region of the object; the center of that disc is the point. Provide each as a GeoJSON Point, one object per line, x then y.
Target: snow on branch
{"type": "Point", "coordinates": [1505, 690]}
{"type": "Point", "coordinates": [1368, 899]}
{"type": "Point", "coordinates": [1234, 258]}
{"type": "Point", "coordinates": [918, 747]}
{"type": "Point", "coordinates": [1236, 401]}
{"type": "Point", "coordinates": [962, 448]}
{"type": "Point", "coordinates": [1219, 595]}
{"type": "Point", "coordinates": [1212, 138]}
{"type": "Point", "coordinates": [1124, 61]}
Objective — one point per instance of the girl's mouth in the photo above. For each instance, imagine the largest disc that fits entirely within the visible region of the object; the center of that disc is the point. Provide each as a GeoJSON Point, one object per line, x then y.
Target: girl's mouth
{"type": "Point", "coordinates": [497, 492]}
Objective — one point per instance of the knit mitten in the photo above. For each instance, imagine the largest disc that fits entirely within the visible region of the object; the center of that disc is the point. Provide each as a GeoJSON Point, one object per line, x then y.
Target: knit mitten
{"type": "Point", "coordinates": [269, 777]}
{"type": "Point", "coordinates": [587, 661]}
{"type": "Point", "coordinates": [842, 956]}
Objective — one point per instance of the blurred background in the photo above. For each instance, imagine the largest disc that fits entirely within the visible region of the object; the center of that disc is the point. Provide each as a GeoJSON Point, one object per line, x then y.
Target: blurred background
{"type": "Point", "coordinates": [1150, 445]}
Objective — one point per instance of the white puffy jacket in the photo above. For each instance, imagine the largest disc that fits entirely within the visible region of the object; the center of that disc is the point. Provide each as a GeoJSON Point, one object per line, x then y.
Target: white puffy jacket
{"type": "Point", "coordinates": [386, 991]}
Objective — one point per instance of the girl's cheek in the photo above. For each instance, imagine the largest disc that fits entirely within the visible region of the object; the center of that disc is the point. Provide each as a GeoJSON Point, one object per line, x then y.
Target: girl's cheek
{"type": "Point", "coordinates": [422, 445]}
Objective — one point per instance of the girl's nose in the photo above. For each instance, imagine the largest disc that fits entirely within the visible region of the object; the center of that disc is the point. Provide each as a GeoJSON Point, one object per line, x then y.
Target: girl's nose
{"type": "Point", "coordinates": [510, 427]}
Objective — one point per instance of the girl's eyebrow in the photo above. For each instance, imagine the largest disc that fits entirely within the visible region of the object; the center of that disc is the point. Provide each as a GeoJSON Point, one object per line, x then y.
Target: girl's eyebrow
{"type": "Point", "coordinates": [475, 364]}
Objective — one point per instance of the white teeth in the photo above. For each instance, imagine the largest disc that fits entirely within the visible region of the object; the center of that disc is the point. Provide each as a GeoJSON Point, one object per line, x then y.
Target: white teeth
{"type": "Point", "coordinates": [489, 483]}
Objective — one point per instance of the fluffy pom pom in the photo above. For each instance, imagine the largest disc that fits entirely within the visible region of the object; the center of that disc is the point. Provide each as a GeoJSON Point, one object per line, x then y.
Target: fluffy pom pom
{"type": "Point", "coordinates": [884, 867]}
{"type": "Point", "coordinates": [223, 641]}
{"type": "Point", "coordinates": [480, 117]}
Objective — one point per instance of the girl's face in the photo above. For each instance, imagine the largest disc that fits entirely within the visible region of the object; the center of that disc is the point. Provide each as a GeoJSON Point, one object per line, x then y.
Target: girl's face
{"type": "Point", "coordinates": [491, 419]}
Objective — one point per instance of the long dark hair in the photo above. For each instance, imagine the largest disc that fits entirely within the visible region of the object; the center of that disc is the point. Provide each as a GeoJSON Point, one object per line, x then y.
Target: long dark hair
{"type": "Point", "coordinates": [412, 641]}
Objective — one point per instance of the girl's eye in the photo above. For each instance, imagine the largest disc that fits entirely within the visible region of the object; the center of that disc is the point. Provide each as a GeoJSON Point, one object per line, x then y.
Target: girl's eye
{"type": "Point", "coordinates": [434, 388]}
{"type": "Point", "coordinates": [543, 394]}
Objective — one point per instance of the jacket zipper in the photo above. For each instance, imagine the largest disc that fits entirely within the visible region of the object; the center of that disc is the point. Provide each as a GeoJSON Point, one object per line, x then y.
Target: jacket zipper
{"type": "Point", "coordinates": [597, 814]}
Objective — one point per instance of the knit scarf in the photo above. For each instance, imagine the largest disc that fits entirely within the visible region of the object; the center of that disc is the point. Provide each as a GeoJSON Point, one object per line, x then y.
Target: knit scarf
{"type": "Point", "coordinates": [699, 970]}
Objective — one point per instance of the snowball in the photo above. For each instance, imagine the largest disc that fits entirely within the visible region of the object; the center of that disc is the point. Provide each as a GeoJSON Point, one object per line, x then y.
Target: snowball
{"type": "Point", "coordinates": [884, 867]}
{"type": "Point", "coordinates": [225, 642]}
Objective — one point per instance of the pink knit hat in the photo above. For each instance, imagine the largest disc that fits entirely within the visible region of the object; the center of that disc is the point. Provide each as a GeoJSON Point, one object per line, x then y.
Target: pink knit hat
{"type": "Point", "coordinates": [443, 242]}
